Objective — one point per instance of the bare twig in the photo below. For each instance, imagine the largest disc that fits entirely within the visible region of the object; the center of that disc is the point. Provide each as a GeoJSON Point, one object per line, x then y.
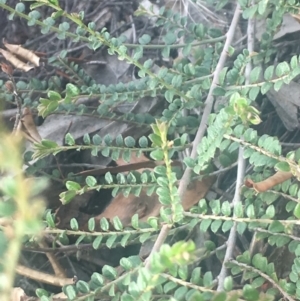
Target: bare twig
{"type": "Point", "coordinates": [240, 173]}
{"type": "Point", "coordinates": [43, 277]}
{"type": "Point", "coordinates": [232, 235]}
{"type": "Point", "coordinates": [202, 128]}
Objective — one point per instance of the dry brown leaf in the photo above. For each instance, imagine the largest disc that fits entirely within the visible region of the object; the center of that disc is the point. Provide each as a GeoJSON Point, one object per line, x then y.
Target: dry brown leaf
{"type": "Point", "coordinates": [15, 61]}
{"type": "Point", "coordinates": [146, 206]}
{"type": "Point", "coordinates": [26, 54]}
{"type": "Point", "coordinates": [7, 69]}
{"type": "Point", "coordinates": [267, 184]}
{"type": "Point", "coordinates": [28, 126]}
{"type": "Point", "coordinates": [17, 294]}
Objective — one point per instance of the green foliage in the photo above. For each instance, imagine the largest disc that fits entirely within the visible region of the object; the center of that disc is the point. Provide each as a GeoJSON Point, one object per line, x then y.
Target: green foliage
{"type": "Point", "coordinates": [175, 270]}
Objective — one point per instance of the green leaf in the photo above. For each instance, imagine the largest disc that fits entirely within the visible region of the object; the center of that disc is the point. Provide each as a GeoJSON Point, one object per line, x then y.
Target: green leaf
{"type": "Point", "coordinates": [126, 263]}
{"type": "Point", "coordinates": [297, 211]}
{"type": "Point", "coordinates": [82, 286]}
{"type": "Point", "coordinates": [249, 293]}
{"type": "Point", "coordinates": [262, 6]}
{"type": "Point", "coordinates": [91, 224]}
{"type": "Point", "coordinates": [97, 139]}
{"type": "Point", "coordinates": [249, 12]}
{"type": "Point", "coordinates": [268, 74]}
{"type": "Point", "coordinates": [41, 292]}
{"type": "Point", "coordinates": [250, 211]}
{"type": "Point", "coordinates": [144, 39]}
{"type": "Point", "coordinates": [204, 225]}
{"type": "Point", "coordinates": [109, 272]}
{"type": "Point", "coordinates": [278, 84]}
{"type": "Point", "coordinates": [97, 242]}
{"type": "Point", "coordinates": [170, 38]}
{"type": "Point", "coordinates": [108, 178]}
{"type": "Point", "coordinates": [117, 223]}
{"type": "Point", "coordinates": [215, 206]}
{"type": "Point", "coordinates": [226, 208]}
{"type": "Point", "coordinates": [270, 212]}
{"type": "Point", "coordinates": [111, 291]}
{"type": "Point", "coordinates": [276, 226]}
{"type": "Point", "coordinates": [215, 225]}
{"type": "Point", "coordinates": [183, 272]}
{"type": "Point", "coordinates": [111, 240]}
{"type": "Point", "coordinates": [255, 75]}
{"type": "Point", "coordinates": [126, 155]}
{"type": "Point", "coordinates": [186, 49]}
{"type": "Point", "coordinates": [195, 296]}
{"type": "Point", "coordinates": [126, 297]}
{"type": "Point", "coordinates": [124, 240]}
{"type": "Point", "coordinates": [135, 221]}
{"type": "Point", "coordinates": [238, 210]}
{"type": "Point", "coordinates": [241, 227]}
{"type": "Point", "coordinates": [157, 154]}
{"type": "Point", "coordinates": [266, 87]}
{"type": "Point", "coordinates": [207, 279]}
{"type": "Point", "coordinates": [254, 92]}
{"type": "Point", "coordinates": [86, 139]}
{"type": "Point", "coordinates": [107, 140]}
{"type": "Point", "coordinates": [53, 95]}
{"type": "Point", "coordinates": [293, 190]}
{"type": "Point", "coordinates": [104, 224]}
{"type": "Point", "coordinates": [153, 222]}
{"type": "Point", "coordinates": [169, 286]}
{"type": "Point", "coordinates": [129, 141]}
{"type": "Point", "coordinates": [50, 219]}
{"type": "Point", "coordinates": [166, 52]}
{"type": "Point", "coordinates": [54, 2]}
{"type": "Point", "coordinates": [177, 81]}
{"type": "Point", "coordinates": [189, 162]}
{"type": "Point", "coordinates": [156, 139]}
{"type": "Point", "coordinates": [144, 237]}
{"type": "Point", "coordinates": [20, 7]}
{"type": "Point", "coordinates": [91, 181]}
{"type": "Point", "coordinates": [228, 283]}
{"type": "Point", "coordinates": [74, 224]}
{"type": "Point", "coordinates": [282, 69]}
{"type": "Point", "coordinates": [71, 185]}
{"type": "Point", "coordinates": [180, 293]}
{"type": "Point", "coordinates": [66, 196]}
{"type": "Point", "coordinates": [222, 76]}
{"type": "Point", "coordinates": [148, 64]}
{"type": "Point", "coordinates": [70, 292]}
{"type": "Point", "coordinates": [219, 91]}
{"type": "Point", "coordinates": [143, 142]}
{"type": "Point", "coordinates": [227, 225]}
{"type": "Point", "coordinates": [69, 139]}
{"type": "Point", "coordinates": [71, 90]}
{"type": "Point", "coordinates": [282, 166]}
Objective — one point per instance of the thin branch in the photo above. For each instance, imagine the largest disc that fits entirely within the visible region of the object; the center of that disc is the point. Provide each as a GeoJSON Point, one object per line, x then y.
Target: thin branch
{"type": "Point", "coordinates": [241, 219]}
{"type": "Point", "coordinates": [232, 235]}
{"type": "Point", "coordinates": [186, 178]}
{"type": "Point", "coordinates": [265, 276]}
{"type": "Point", "coordinates": [240, 172]}
{"type": "Point", "coordinates": [293, 237]}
